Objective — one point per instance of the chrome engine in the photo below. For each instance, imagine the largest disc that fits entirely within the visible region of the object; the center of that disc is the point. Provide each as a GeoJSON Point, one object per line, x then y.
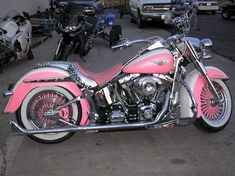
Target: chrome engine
{"type": "Point", "coordinates": [147, 86]}
{"type": "Point", "coordinates": [133, 98]}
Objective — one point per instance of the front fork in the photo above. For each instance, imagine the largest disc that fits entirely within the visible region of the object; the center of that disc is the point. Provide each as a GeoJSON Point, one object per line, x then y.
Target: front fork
{"type": "Point", "coordinates": [200, 67]}
{"type": "Point", "coordinates": [203, 71]}
{"type": "Point", "coordinates": [58, 47]}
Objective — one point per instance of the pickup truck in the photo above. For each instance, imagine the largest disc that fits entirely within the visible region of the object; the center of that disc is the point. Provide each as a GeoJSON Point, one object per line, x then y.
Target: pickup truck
{"type": "Point", "coordinates": [150, 10]}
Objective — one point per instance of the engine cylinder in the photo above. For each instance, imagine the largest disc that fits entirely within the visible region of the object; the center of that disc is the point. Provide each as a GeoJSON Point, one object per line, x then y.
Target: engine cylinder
{"type": "Point", "coordinates": [147, 85]}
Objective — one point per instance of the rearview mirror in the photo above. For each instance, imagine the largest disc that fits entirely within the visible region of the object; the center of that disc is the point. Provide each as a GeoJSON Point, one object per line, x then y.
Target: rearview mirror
{"type": "Point", "coordinates": [206, 43]}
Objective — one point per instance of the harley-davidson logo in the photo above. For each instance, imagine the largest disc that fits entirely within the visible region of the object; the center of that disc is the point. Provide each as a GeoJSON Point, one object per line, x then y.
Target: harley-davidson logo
{"type": "Point", "coordinates": [160, 62]}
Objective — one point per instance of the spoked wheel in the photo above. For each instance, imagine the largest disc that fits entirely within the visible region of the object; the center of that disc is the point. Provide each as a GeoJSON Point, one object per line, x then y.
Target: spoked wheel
{"type": "Point", "coordinates": [215, 115]}
{"type": "Point", "coordinates": [38, 111]}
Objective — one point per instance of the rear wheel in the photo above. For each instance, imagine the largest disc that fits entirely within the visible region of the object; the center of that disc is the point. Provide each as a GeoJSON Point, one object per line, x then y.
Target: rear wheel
{"type": "Point", "coordinates": [38, 111]}
{"type": "Point", "coordinates": [115, 34]}
{"type": "Point", "coordinates": [215, 116]}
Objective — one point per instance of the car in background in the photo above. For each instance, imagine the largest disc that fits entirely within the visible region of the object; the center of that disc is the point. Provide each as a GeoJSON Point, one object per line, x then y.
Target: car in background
{"type": "Point", "coordinates": [227, 9]}
{"type": "Point", "coordinates": [150, 10]}
{"type": "Point", "coordinates": [206, 5]}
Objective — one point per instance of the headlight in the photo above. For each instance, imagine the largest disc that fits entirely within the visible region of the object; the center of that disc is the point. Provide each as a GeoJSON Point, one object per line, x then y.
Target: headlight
{"type": "Point", "coordinates": [70, 28]}
{"type": "Point", "coordinates": [147, 8]}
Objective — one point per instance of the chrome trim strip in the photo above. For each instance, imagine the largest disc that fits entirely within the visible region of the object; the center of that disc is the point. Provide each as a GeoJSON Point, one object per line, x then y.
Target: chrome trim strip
{"type": "Point", "coordinates": [7, 93]}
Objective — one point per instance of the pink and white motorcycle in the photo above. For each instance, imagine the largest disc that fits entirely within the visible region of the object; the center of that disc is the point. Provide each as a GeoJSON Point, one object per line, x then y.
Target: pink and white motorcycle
{"type": "Point", "coordinates": [151, 90]}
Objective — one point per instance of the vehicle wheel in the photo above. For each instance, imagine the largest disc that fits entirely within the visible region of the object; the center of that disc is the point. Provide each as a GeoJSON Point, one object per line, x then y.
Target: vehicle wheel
{"type": "Point", "coordinates": [132, 20]}
{"type": "Point", "coordinates": [1, 67]}
{"type": "Point", "coordinates": [115, 34]}
{"type": "Point", "coordinates": [140, 22]}
{"type": "Point", "coordinates": [213, 12]}
{"type": "Point", "coordinates": [30, 54]}
{"type": "Point", "coordinates": [62, 54]}
{"type": "Point", "coordinates": [121, 15]}
{"type": "Point", "coordinates": [225, 15]}
{"type": "Point", "coordinates": [37, 111]}
{"type": "Point", "coordinates": [215, 116]}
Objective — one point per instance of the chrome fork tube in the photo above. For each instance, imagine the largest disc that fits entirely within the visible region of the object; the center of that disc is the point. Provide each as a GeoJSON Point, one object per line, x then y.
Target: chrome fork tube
{"type": "Point", "coordinates": [174, 80]}
{"type": "Point", "coordinates": [205, 75]}
{"type": "Point", "coordinates": [58, 47]}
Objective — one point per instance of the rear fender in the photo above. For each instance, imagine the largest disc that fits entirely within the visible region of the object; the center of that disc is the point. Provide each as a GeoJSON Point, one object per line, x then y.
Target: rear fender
{"type": "Point", "coordinates": [24, 86]}
{"type": "Point", "coordinates": [196, 82]}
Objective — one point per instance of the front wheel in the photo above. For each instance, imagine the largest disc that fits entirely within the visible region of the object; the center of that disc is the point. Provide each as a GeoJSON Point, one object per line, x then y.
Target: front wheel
{"type": "Point", "coordinates": [30, 54]}
{"type": "Point", "coordinates": [38, 111]}
{"type": "Point", "coordinates": [225, 15]}
{"type": "Point", "coordinates": [132, 20]}
{"type": "Point", "coordinates": [215, 116]}
{"type": "Point", "coordinates": [62, 54]}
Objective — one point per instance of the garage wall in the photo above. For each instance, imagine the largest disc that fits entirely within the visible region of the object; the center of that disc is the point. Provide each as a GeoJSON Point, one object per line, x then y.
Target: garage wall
{"type": "Point", "coordinates": [30, 6]}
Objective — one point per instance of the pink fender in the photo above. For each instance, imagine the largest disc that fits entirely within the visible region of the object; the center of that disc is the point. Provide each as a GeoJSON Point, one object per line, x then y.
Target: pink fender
{"type": "Point", "coordinates": [196, 82]}
{"type": "Point", "coordinates": [22, 89]}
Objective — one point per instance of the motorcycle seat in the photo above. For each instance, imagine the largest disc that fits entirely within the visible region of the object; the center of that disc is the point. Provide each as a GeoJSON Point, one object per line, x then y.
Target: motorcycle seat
{"type": "Point", "coordinates": [102, 77]}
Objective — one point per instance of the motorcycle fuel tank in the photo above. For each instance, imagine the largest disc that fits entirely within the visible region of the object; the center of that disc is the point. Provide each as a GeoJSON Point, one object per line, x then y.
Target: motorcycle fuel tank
{"type": "Point", "coordinates": [159, 61]}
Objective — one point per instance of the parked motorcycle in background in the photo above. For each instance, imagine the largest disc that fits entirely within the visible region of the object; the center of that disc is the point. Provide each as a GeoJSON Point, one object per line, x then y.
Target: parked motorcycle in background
{"type": "Point", "coordinates": [79, 25]}
{"type": "Point", "coordinates": [15, 38]}
{"type": "Point", "coordinates": [59, 98]}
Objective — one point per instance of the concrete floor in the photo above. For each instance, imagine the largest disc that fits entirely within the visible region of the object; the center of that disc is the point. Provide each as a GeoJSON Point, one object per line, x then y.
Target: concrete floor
{"type": "Point", "coordinates": [162, 152]}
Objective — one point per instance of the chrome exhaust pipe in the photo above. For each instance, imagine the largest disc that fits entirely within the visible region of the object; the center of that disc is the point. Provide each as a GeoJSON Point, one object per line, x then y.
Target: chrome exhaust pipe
{"type": "Point", "coordinates": [75, 128]}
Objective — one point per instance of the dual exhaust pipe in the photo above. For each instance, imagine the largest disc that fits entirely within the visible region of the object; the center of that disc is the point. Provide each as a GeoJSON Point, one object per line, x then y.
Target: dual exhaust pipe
{"type": "Point", "coordinates": [75, 128]}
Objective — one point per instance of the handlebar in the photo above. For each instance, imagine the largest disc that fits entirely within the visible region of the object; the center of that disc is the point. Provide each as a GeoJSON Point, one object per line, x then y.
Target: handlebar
{"type": "Point", "coordinates": [129, 43]}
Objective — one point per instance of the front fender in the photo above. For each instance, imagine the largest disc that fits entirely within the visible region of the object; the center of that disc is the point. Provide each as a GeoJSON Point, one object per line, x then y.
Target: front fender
{"type": "Point", "coordinates": [24, 86]}
{"type": "Point", "coordinates": [196, 82]}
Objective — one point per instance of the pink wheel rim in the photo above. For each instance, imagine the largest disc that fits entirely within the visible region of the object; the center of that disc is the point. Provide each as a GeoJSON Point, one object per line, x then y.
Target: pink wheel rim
{"type": "Point", "coordinates": [41, 110]}
{"type": "Point", "coordinates": [210, 109]}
